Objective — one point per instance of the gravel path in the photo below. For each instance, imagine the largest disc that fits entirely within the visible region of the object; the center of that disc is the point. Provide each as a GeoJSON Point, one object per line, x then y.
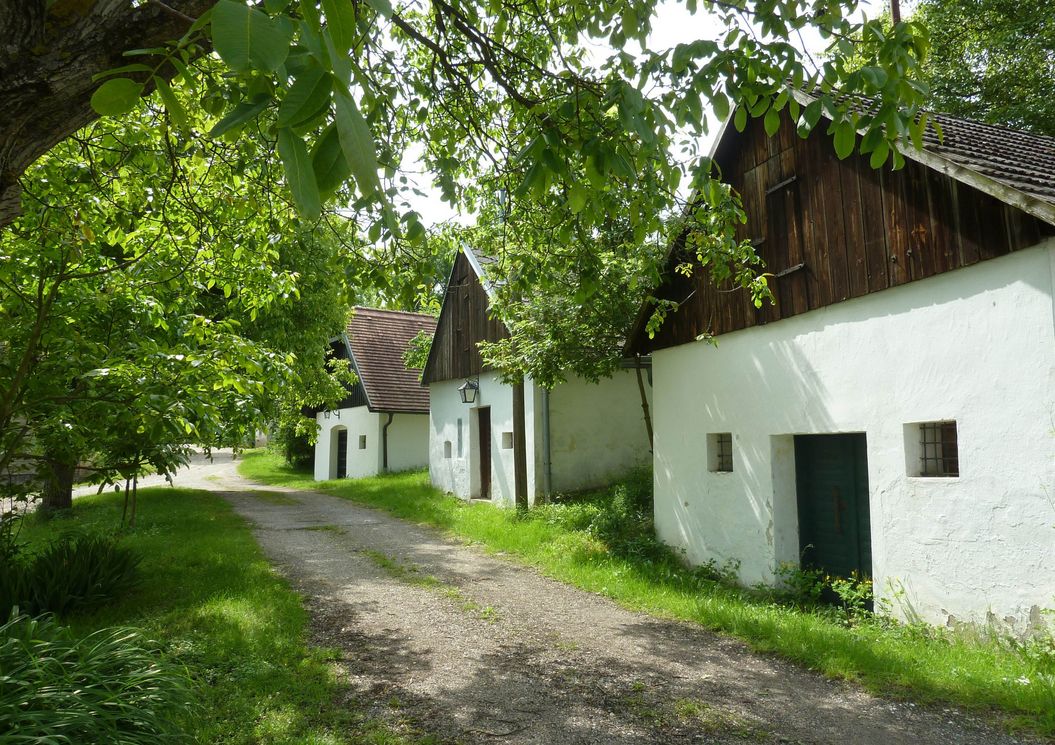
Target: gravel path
{"type": "Point", "coordinates": [444, 638]}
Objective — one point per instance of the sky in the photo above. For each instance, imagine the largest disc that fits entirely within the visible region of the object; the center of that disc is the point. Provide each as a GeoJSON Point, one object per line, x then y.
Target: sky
{"type": "Point", "coordinates": [672, 25]}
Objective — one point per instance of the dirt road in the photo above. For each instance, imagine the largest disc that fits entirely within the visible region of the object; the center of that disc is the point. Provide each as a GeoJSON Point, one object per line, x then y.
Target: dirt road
{"type": "Point", "coordinates": [442, 637]}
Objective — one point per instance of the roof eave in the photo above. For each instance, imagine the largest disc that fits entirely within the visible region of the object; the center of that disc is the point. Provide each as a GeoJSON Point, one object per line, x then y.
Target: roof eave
{"type": "Point", "coordinates": [1028, 203]}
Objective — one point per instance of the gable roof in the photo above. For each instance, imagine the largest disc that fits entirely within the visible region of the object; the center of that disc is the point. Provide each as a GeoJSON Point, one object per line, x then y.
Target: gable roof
{"type": "Point", "coordinates": [1016, 167]}
{"type": "Point", "coordinates": [376, 342]}
{"type": "Point", "coordinates": [465, 319]}
{"type": "Point", "coordinates": [1014, 171]}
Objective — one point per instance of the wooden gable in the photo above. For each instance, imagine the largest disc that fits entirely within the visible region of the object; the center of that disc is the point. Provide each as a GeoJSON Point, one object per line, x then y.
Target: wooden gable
{"type": "Point", "coordinates": [831, 230]}
{"type": "Point", "coordinates": [464, 322]}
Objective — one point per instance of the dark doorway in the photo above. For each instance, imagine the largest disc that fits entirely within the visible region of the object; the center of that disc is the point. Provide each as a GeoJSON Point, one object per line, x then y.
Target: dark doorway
{"type": "Point", "coordinates": [342, 454]}
{"type": "Point", "coordinates": [834, 527]}
{"type": "Point", "coordinates": [484, 426]}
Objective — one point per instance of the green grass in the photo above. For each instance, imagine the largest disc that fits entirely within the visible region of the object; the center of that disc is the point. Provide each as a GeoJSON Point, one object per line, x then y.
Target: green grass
{"type": "Point", "coordinates": [1016, 683]}
{"type": "Point", "coordinates": [212, 601]}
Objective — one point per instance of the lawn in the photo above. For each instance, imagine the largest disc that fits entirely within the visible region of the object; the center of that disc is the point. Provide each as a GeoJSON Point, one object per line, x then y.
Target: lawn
{"type": "Point", "coordinates": [1013, 681]}
{"type": "Point", "coordinates": [213, 603]}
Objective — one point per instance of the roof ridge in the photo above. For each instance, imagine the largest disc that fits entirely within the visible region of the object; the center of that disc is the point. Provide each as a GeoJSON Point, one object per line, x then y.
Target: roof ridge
{"type": "Point", "coordinates": [419, 314]}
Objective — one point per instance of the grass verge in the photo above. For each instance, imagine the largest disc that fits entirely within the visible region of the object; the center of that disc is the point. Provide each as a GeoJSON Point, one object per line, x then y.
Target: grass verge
{"type": "Point", "coordinates": [212, 601]}
{"type": "Point", "coordinates": [988, 675]}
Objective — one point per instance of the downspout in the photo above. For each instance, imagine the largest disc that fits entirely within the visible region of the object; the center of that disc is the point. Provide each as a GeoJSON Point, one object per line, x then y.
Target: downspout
{"type": "Point", "coordinates": [547, 463]}
{"type": "Point", "coordinates": [384, 443]}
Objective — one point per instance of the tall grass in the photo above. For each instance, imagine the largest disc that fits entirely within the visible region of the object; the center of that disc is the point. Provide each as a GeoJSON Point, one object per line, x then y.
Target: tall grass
{"type": "Point", "coordinates": [604, 543]}
{"type": "Point", "coordinates": [218, 609]}
{"type": "Point", "coordinates": [107, 686]}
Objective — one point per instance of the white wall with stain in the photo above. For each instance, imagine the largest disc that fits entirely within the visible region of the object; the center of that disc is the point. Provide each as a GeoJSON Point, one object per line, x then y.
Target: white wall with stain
{"type": "Point", "coordinates": [407, 442]}
{"type": "Point", "coordinates": [976, 345]}
{"type": "Point", "coordinates": [597, 434]}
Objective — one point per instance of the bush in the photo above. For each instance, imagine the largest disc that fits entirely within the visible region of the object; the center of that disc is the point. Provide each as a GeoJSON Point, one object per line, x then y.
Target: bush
{"type": "Point", "coordinates": [294, 445]}
{"type": "Point", "coordinates": [76, 571]}
{"type": "Point", "coordinates": [109, 686]}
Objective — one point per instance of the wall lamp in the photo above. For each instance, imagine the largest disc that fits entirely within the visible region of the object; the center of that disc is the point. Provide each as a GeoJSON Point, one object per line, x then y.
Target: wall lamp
{"type": "Point", "coordinates": [468, 390]}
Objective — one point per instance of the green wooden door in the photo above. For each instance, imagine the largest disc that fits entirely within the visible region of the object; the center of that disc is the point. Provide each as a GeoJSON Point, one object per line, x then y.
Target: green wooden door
{"type": "Point", "coordinates": [834, 526]}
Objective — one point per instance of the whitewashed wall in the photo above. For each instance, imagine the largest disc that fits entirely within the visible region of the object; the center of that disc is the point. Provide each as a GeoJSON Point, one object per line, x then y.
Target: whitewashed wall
{"type": "Point", "coordinates": [597, 430]}
{"type": "Point", "coordinates": [458, 473]}
{"type": "Point", "coordinates": [361, 462]}
{"type": "Point", "coordinates": [976, 345]}
{"type": "Point", "coordinates": [408, 441]}
{"type": "Point", "coordinates": [408, 438]}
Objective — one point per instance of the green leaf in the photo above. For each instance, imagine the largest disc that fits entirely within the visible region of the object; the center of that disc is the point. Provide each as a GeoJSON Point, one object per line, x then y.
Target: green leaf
{"type": "Point", "coordinates": [172, 104]}
{"type": "Point", "coordinates": [384, 7]}
{"type": "Point", "coordinates": [740, 119]}
{"type": "Point", "coordinates": [247, 38]}
{"type": "Point", "coordinates": [876, 76]}
{"type": "Point", "coordinates": [845, 139]}
{"type": "Point", "coordinates": [721, 106]}
{"type": "Point", "coordinates": [137, 67]}
{"type": "Point", "coordinates": [328, 162]}
{"type": "Point", "coordinates": [309, 93]}
{"type": "Point", "coordinates": [358, 144]}
{"type": "Point", "coordinates": [576, 198]}
{"type": "Point", "coordinates": [879, 155]}
{"type": "Point", "coordinates": [116, 96]}
{"type": "Point", "coordinates": [239, 115]}
{"type": "Point", "coordinates": [812, 114]}
{"type": "Point", "coordinates": [299, 173]}
{"type": "Point", "coordinates": [772, 121]}
{"type": "Point", "coordinates": [340, 22]}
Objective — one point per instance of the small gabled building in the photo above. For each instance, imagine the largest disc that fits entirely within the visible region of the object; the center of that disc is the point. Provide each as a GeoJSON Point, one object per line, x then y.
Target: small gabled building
{"type": "Point", "coordinates": [576, 436]}
{"type": "Point", "coordinates": [383, 424]}
{"type": "Point", "coordinates": [892, 413]}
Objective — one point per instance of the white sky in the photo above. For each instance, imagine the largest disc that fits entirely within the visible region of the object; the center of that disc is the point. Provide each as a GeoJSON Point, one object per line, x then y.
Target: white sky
{"type": "Point", "coordinates": [672, 25]}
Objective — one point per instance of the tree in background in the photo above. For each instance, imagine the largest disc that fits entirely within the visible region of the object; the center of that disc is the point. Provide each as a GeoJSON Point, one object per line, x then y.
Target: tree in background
{"type": "Point", "coordinates": [157, 292]}
{"type": "Point", "coordinates": [992, 60]}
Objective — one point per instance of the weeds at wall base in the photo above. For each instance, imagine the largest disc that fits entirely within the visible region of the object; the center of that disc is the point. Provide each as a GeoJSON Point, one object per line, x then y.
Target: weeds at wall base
{"type": "Point", "coordinates": [604, 543]}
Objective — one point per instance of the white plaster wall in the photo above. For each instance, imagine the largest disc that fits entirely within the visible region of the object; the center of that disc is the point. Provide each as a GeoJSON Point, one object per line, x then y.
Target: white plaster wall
{"type": "Point", "coordinates": [457, 474]}
{"type": "Point", "coordinates": [408, 441]}
{"type": "Point", "coordinates": [976, 345]}
{"type": "Point", "coordinates": [358, 421]}
{"type": "Point", "coordinates": [597, 430]}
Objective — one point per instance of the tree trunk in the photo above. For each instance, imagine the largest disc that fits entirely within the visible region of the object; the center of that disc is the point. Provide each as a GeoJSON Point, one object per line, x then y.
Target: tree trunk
{"type": "Point", "coordinates": [135, 499]}
{"type": "Point", "coordinates": [49, 55]}
{"type": "Point", "coordinates": [58, 488]}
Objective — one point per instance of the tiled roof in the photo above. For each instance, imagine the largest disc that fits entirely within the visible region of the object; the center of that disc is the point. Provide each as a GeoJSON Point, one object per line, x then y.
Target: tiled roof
{"type": "Point", "coordinates": [1017, 159]}
{"type": "Point", "coordinates": [1014, 166]}
{"type": "Point", "coordinates": [378, 339]}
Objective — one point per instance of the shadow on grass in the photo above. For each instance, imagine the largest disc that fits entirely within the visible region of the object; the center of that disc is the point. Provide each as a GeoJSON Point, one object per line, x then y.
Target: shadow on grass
{"type": "Point", "coordinates": [213, 602]}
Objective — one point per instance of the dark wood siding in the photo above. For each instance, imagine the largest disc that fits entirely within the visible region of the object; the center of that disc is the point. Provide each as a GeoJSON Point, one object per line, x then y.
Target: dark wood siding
{"type": "Point", "coordinates": [832, 230]}
{"type": "Point", "coordinates": [464, 322]}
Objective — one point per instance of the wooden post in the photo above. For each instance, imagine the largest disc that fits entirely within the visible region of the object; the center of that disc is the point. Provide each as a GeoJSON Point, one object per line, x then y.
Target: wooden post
{"type": "Point", "coordinates": [644, 404]}
{"type": "Point", "coordinates": [519, 447]}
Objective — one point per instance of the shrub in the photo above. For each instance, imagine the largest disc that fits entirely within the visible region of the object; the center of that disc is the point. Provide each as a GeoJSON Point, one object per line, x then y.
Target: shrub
{"type": "Point", "coordinates": [294, 445]}
{"type": "Point", "coordinates": [76, 571]}
{"type": "Point", "coordinates": [110, 686]}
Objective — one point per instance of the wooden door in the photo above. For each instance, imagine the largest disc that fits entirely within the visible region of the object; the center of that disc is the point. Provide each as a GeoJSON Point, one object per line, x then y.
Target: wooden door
{"type": "Point", "coordinates": [834, 525]}
{"type": "Point", "coordinates": [342, 454]}
{"type": "Point", "coordinates": [484, 427]}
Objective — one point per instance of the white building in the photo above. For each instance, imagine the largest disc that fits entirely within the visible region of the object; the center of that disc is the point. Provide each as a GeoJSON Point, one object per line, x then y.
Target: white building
{"type": "Point", "coordinates": [383, 424]}
{"type": "Point", "coordinates": [577, 436]}
{"type": "Point", "coordinates": [893, 413]}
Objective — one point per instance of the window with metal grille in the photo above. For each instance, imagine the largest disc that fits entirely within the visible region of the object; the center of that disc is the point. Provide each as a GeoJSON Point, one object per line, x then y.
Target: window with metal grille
{"type": "Point", "coordinates": [720, 452]}
{"type": "Point", "coordinates": [362, 442]}
{"type": "Point", "coordinates": [939, 455]}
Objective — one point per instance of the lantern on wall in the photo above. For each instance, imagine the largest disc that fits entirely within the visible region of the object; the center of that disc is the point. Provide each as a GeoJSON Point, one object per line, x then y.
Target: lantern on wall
{"type": "Point", "coordinates": [468, 390]}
